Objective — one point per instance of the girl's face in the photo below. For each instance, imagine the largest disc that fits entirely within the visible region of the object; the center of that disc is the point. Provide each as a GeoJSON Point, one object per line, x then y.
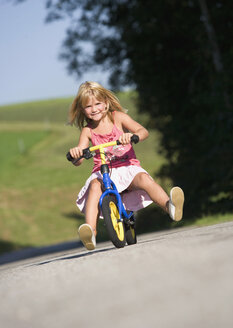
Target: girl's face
{"type": "Point", "coordinates": [95, 109]}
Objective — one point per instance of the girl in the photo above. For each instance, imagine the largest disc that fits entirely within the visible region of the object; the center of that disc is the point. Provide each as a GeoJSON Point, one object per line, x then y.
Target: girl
{"type": "Point", "coordinates": [99, 115]}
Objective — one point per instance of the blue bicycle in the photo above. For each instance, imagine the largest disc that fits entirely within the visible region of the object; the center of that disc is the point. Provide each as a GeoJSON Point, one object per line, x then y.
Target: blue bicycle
{"type": "Point", "coordinates": [120, 223]}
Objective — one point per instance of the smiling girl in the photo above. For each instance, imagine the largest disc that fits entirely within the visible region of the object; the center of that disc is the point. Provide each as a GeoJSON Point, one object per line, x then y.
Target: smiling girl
{"type": "Point", "coordinates": [101, 118]}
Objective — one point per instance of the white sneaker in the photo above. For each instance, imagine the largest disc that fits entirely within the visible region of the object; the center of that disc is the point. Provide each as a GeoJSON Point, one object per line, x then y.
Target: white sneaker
{"type": "Point", "coordinates": [176, 203]}
{"type": "Point", "coordinates": [87, 236]}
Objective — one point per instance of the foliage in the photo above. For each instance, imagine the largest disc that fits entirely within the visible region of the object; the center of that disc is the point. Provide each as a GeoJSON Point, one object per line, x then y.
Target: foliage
{"type": "Point", "coordinates": [178, 55]}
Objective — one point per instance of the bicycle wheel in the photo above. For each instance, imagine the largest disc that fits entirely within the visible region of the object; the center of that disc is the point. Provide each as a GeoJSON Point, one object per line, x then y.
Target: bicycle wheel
{"type": "Point", "coordinates": [130, 234]}
{"type": "Point", "coordinates": [115, 228]}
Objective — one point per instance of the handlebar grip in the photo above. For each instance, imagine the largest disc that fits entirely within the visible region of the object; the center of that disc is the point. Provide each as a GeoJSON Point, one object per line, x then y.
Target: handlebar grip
{"type": "Point", "coordinates": [72, 159]}
{"type": "Point", "coordinates": [86, 154]}
{"type": "Point", "coordinates": [134, 138]}
{"type": "Point", "coordinates": [69, 157]}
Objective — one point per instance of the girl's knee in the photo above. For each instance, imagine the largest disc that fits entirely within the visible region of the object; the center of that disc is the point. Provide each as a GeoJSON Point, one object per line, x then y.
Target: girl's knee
{"type": "Point", "coordinates": [141, 180]}
{"type": "Point", "coordinates": [95, 185]}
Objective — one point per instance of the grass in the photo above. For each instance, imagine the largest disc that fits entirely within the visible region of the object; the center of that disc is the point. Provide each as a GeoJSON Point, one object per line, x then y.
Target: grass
{"type": "Point", "coordinates": [39, 187]}
{"type": "Point", "coordinates": [213, 219]}
{"type": "Point", "coordinates": [45, 111]}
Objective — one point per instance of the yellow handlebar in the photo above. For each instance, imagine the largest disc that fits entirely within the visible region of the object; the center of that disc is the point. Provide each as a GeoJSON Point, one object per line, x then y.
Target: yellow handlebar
{"type": "Point", "coordinates": [108, 144]}
{"type": "Point", "coordinates": [101, 149]}
{"type": "Point", "coordinates": [87, 151]}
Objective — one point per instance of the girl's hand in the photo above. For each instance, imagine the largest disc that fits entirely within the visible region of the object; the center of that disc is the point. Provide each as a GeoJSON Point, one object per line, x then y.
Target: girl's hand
{"type": "Point", "coordinates": [76, 152]}
{"type": "Point", "coordinates": [125, 138]}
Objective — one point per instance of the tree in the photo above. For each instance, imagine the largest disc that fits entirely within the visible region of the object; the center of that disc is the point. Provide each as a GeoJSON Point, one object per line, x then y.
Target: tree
{"type": "Point", "coordinates": [178, 55]}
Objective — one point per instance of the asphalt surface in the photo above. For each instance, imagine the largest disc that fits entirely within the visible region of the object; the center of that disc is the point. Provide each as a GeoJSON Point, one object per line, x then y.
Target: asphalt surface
{"type": "Point", "coordinates": [176, 278]}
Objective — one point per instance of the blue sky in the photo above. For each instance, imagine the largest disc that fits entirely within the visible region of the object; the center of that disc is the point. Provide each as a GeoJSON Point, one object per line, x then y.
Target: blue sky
{"type": "Point", "coordinates": [29, 49]}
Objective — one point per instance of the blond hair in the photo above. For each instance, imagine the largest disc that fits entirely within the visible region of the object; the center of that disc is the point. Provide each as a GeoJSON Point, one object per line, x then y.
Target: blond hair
{"type": "Point", "coordinates": [87, 90]}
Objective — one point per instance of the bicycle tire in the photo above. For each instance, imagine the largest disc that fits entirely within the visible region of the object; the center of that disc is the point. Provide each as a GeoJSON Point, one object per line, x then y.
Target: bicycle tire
{"type": "Point", "coordinates": [115, 228]}
{"type": "Point", "coordinates": [130, 234]}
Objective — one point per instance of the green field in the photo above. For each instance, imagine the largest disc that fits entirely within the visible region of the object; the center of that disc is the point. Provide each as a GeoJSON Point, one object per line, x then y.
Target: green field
{"type": "Point", "coordinates": [38, 185]}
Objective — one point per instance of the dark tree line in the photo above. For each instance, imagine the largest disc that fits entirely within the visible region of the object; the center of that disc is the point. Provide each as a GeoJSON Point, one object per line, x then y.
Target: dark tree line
{"type": "Point", "coordinates": [179, 57]}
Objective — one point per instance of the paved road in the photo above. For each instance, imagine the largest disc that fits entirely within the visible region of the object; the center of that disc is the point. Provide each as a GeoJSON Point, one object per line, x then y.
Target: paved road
{"type": "Point", "coordinates": [177, 278]}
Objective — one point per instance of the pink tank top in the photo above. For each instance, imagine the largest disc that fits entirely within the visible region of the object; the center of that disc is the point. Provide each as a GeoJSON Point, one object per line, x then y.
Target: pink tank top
{"type": "Point", "coordinates": [117, 155]}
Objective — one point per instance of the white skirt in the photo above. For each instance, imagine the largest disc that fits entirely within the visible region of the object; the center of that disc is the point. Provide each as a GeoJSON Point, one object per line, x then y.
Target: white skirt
{"type": "Point", "coordinates": [122, 177]}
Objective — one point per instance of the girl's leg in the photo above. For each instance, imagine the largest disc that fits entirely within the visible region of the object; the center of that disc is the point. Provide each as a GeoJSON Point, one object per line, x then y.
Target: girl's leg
{"type": "Point", "coordinates": [173, 205]}
{"type": "Point", "coordinates": [87, 232]}
{"type": "Point", "coordinates": [92, 204]}
{"type": "Point", "coordinates": [155, 191]}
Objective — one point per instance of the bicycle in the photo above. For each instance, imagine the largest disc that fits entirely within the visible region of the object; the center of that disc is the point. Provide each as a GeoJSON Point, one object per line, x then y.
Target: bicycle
{"type": "Point", "coordinates": [120, 223]}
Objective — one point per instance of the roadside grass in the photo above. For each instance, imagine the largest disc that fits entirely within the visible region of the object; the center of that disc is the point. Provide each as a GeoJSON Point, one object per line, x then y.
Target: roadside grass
{"type": "Point", "coordinates": [213, 219]}
{"type": "Point", "coordinates": [39, 186]}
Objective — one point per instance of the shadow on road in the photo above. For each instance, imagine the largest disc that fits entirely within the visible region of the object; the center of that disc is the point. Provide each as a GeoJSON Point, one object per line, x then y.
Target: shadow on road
{"type": "Point", "coordinates": [74, 256]}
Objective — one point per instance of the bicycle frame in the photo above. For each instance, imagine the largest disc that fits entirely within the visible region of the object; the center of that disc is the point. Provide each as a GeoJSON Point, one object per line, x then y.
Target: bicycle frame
{"type": "Point", "coordinates": [109, 186]}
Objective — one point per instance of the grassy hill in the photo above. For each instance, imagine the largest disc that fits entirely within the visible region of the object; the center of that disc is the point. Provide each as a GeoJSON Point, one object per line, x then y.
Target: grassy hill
{"type": "Point", "coordinates": [39, 186]}
{"type": "Point", "coordinates": [52, 111]}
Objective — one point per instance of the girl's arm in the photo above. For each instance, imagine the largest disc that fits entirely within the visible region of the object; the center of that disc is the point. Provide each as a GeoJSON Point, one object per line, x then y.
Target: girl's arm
{"type": "Point", "coordinates": [84, 141]}
{"type": "Point", "coordinates": [128, 124]}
